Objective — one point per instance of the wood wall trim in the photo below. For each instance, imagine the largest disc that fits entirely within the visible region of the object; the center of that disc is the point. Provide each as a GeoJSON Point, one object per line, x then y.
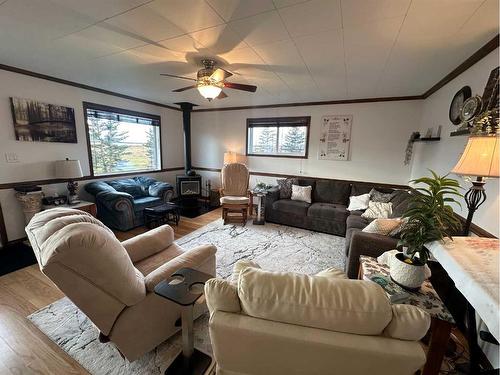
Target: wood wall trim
{"type": "Point", "coordinates": [282, 175]}
{"type": "Point", "coordinates": [12, 185]}
{"type": "Point", "coordinates": [303, 104]}
{"type": "Point", "coordinates": [46, 77]}
{"type": "Point", "coordinates": [477, 56]}
{"type": "Point", "coordinates": [3, 230]}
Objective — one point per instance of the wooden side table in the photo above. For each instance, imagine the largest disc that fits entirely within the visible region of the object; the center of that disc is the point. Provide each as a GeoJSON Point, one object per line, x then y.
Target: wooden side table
{"type": "Point", "coordinates": [89, 207]}
{"type": "Point", "coordinates": [428, 300]}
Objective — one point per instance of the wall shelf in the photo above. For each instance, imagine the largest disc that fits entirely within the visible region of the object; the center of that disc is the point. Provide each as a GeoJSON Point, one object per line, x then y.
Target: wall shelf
{"type": "Point", "coordinates": [428, 139]}
{"type": "Point", "coordinates": [460, 132]}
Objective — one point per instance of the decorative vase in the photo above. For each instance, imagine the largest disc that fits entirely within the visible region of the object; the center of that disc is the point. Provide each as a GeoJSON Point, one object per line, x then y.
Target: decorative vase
{"type": "Point", "coordinates": [406, 275]}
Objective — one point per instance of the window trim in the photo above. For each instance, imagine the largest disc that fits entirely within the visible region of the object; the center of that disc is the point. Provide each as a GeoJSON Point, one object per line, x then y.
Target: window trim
{"type": "Point", "coordinates": [101, 107]}
{"type": "Point", "coordinates": [254, 123]}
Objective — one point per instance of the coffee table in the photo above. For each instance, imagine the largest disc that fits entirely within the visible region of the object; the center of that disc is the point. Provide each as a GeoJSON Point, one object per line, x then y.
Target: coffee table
{"type": "Point", "coordinates": [428, 300]}
{"type": "Point", "coordinates": [163, 214]}
{"type": "Point", "coordinates": [185, 287]}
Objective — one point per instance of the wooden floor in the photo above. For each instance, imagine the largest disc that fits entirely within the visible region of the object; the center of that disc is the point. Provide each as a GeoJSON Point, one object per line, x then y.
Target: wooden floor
{"type": "Point", "coordinates": [23, 348]}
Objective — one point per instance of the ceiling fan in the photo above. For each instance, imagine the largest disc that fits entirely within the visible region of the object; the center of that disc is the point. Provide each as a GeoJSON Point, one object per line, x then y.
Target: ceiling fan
{"type": "Point", "coordinates": [211, 80]}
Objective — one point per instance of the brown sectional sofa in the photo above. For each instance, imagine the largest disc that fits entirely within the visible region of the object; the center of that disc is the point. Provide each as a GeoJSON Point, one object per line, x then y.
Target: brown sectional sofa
{"type": "Point", "coordinates": [328, 213]}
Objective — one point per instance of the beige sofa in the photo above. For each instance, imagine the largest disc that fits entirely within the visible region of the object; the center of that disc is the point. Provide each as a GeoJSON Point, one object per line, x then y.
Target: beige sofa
{"type": "Point", "coordinates": [284, 323]}
{"type": "Point", "coordinates": [112, 282]}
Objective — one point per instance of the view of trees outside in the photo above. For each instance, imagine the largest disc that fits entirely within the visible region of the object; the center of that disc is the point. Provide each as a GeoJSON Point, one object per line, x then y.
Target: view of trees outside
{"type": "Point", "coordinates": [293, 140]}
{"type": "Point", "coordinates": [122, 147]}
{"type": "Point", "coordinates": [290, 140]}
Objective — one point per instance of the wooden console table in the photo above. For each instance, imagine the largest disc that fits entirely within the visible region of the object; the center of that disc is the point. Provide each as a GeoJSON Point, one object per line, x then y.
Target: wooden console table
{"type": "Point", "coordinates": [89, 207]}
{"type": "Point", "coordinates": [428, 300]}
{"type": "Point", "coordinates": [473, 265]}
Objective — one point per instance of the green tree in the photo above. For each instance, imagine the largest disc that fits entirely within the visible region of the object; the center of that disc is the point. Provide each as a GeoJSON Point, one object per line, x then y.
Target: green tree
{"type": "Point", "coordinates": [150, 146]}
{"type": "Point", "coordinates": [266, 142]}
{"type": "Point", "coordinates": [107, 144]}
{"type": "Point", "coordinates": [294, 141]}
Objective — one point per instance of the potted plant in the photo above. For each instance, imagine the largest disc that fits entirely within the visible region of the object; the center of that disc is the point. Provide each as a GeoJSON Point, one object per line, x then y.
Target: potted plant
{"type": "Point", "coordinates": [429, 218]}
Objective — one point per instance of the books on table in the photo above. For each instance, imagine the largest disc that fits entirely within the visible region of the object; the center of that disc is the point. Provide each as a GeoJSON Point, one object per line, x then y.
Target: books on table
{"type": "Point", "coordinates": [394, 292]}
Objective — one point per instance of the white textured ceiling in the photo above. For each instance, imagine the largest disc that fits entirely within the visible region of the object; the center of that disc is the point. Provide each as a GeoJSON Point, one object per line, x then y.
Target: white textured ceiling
{"type": "Point", "coordinates": [294, 51]}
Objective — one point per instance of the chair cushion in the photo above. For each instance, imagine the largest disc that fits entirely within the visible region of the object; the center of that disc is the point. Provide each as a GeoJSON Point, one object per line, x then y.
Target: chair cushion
{"type": "Point", "coordinates": [329, 211]}
{"type": "Point", "coordinates": [145, 202]}
{"type": "Point", "coordinates": [234, 200]}
{"type": "Point", "coordinates": [128, 185]}
{"type": "Point", "coordinates": [350, 306]}
{"type": "Point", "coordinates": [331, 191]}
{"type": "Point", "coordinates": [292, 207]}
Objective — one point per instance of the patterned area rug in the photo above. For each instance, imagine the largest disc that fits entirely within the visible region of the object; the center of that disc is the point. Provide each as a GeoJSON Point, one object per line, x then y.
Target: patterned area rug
{"type": "Point", "coordinates": [274, 247]}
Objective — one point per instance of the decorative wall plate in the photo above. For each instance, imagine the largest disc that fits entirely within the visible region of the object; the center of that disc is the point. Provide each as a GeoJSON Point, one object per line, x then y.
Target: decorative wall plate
{"type": "Point", "coordinates": [457, 102]}
{"type": "Point", "coordinates": [471, 108]}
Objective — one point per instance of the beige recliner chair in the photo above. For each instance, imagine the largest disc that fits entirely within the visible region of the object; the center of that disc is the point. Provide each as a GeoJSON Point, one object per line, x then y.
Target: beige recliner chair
{"type": "Point", "coordinates": [234, 193]}
{"type": "Point", "coordinates": [113, 282]}
{"type": "Point", "coordinates": [284, 323]}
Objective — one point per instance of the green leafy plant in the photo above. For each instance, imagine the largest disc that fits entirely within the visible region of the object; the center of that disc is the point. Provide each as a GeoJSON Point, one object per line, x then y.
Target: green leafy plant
{"type": "Point", "coordinates": [430, 216]}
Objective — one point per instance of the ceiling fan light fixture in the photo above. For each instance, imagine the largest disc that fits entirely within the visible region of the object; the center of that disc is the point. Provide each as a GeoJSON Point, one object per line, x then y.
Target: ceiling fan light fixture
{"type": "Point", "coordinates": [209, 91]}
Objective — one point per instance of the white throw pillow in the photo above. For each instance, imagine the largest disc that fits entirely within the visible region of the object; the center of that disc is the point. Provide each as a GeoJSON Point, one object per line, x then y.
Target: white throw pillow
{"type": "Point", "coordinates": [301, 193]}
{"type": "Point", "coordinates": [382, 226]}
{"type": "Point", "coordinates": [358, 202]}
{"type": "Point", "coordinates": [378, 210]}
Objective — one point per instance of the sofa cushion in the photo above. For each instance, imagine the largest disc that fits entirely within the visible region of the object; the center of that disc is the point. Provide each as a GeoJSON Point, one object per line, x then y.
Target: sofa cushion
{"type": "Point", "coordinates": [145, 202]}
{"type": "Point", "coordinates": [128, 185]}
{"type": "Point", "coordinates": [356, 221]}
{"type": "Point", "coordinates": [350, 306]}
{"type": "Point", "coordinates": [330, 191]}
{"type": "Point", "coordinates": [292, 207]}
{"type": "Point", "coordinates": [307, 182]}
{"type": "Point", "coordinates": [301, 193]}
{"type": "Point", "coordinates": [97, 186]}
{"type": "Point", "coordinates": [328, 211]}
{"type": "Point", "coordinates": [359, 188]}
{"type": "Point", "coordinates": [285, 187]}
{"type": "Point", "coordinates": [400, 201]}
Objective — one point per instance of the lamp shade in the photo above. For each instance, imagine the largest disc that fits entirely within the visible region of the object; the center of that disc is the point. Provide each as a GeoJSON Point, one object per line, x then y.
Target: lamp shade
{"type": "Point", "coordinates": [480, 157]}
{"type": "Point", "coordinates": [68, 169]}
{"type": "Point", "coordinates": [231, 157]}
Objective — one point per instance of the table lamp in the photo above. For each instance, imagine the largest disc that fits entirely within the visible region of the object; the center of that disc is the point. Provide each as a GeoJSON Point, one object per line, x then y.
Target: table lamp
{"type": "Point", "coordinates": [480, 159]}
{"type": "Point", "coordinates": [69, 170]}
{"type": "Point", "coordinates": [231, 157]}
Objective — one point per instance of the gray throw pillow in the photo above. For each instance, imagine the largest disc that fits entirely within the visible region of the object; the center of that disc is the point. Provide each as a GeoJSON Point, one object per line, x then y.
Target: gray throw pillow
{"type": "Point", "coordinates": [377, 196]}
{"type": "Point", "coordinates": [285, 186]}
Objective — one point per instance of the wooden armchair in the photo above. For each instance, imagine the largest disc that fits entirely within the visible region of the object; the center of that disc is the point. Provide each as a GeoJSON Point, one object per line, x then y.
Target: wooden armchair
{"type": "Point", "coordinates": [234, 193]}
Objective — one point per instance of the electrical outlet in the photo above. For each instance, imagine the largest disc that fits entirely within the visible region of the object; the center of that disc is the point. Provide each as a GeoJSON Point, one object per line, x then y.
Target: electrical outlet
{"type": "Point", "coordinates": [11, 157]}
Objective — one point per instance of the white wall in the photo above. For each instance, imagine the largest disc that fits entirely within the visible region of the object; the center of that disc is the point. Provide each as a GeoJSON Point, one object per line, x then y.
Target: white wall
{"type": "Point", "coordinates": [443, 155]}
{"type": "Point", "coordinates": [36, 159]}
{"type": "Point", "coordinates": [380, 132]}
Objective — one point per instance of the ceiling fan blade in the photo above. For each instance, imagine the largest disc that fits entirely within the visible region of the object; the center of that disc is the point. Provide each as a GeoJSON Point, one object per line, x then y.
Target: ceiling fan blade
{"type": "Point", "coordinates": [222, 95]}
{"type": "Point", "coordinates": [185, 88]}
{"type": "Point", "coordinates": [220, 74]}
{"type": "Point", "coordinates": [174, 76]}
{"type": "Point", "coordinates": [240, 86]}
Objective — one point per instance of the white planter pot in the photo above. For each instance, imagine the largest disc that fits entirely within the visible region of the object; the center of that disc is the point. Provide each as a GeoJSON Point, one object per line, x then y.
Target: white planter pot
{"type": "Point", "coordinates": [409, 276]}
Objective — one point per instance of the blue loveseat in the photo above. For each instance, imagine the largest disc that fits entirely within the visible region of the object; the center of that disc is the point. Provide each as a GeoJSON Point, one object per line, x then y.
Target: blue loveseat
{"type": "Point", "coordinates": [121, 203]}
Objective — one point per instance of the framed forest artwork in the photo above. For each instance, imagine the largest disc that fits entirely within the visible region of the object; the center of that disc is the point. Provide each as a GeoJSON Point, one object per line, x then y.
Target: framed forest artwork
{"type": "Point", "coordinates": [41, 122]}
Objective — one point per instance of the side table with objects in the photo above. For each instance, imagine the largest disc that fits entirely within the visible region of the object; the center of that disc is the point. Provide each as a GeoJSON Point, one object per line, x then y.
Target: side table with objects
{"type": "Point", "coordinates": [89, 207]}
{"type": "Point", "coordinates": [185, 287]}
{"type": "Point", "coordinates": [428, 300]}
{"type": "Point", "coordinates": [261, 196]}
{"type": "Point", "coordinates": [163, 214]}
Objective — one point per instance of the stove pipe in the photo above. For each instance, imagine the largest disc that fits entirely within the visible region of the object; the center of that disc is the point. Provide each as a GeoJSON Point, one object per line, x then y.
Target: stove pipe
{"type": "Point", "coordinates": [186, 124]}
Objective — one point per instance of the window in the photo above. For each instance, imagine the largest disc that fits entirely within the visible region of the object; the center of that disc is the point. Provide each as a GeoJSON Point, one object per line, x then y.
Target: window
{"type": "Point", "coordinates": [278, 136]}
{"type": "Point", "coordinates": [121, 141]}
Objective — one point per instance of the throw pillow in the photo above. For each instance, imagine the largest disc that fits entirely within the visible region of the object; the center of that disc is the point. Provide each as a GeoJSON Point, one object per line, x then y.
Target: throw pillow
{"type": "Point", "coordinates": [382, 226]}
{"type": "Point", "coordinates": [358, 202]}
{"type": "Point", "coordinates": [301, 193]}
{"type": "Point", "coordinates": [396, 231]}
{"type": "Point", "coordinates": [377, 210]}
{"type": "Point", "coordinates": [285, 186]}
{"type": "Point", "coordinates": [378, 196]}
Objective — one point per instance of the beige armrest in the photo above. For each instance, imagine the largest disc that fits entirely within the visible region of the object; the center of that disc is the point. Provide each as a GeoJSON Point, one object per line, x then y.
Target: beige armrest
{"type": "Point", "coordinates": [192, 259]}
{"type": "Point", "coordinates": [149, 243]}
{"type": "Point", "coordinates": [222, 295]}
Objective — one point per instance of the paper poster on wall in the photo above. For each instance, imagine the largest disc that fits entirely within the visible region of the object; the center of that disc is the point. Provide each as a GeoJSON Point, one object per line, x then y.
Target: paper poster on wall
{"type": "Point", "coordinates": [335, 137]}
